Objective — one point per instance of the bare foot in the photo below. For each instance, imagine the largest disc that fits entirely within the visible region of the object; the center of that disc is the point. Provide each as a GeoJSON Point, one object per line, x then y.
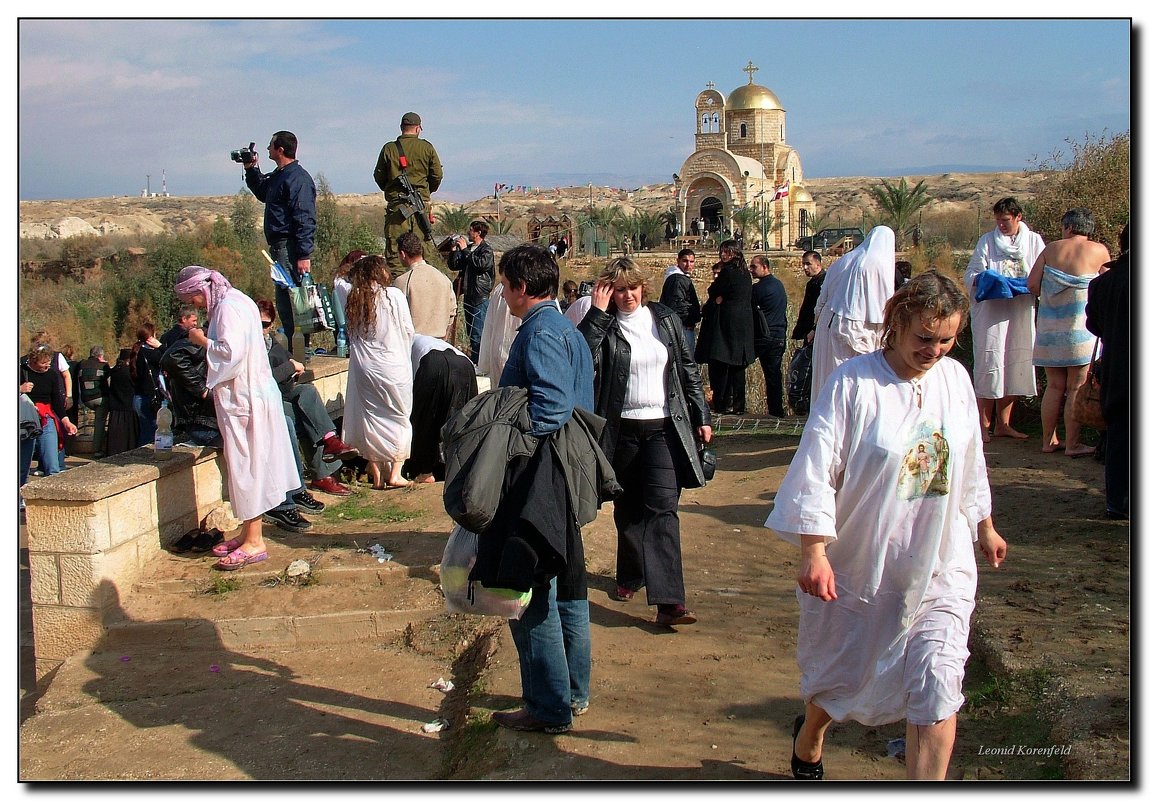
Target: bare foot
{"type": "Point", "coordinates": [985, 435]}
{"type": "Point", "coordinates": [425, 478]}
{"type": "Point", "coordinates": [398, 484]}
{"type": "Point", "coordinates": [1057, 446]}
{"type": "Point", "coordinates": [1078, 452]}
{"type": "Point", "coordinates": [1007, 431]}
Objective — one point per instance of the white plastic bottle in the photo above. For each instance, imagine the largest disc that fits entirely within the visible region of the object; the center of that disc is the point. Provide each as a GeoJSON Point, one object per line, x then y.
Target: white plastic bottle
{"type": "Point", "coordinates": [163, 444]}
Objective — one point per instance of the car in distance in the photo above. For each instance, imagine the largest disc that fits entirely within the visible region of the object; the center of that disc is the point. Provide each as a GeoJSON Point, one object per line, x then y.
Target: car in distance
{"type": "Point", "coordinates": [828, 237]}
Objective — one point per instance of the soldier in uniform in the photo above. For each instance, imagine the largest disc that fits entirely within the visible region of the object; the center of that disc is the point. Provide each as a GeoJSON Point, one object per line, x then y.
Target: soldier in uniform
{"type": "Point", "coordinates": [425, 173]}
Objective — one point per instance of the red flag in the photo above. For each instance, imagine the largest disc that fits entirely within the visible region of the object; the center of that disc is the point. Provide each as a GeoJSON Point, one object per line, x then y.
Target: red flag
{"type": "Point", "coordinates": [781, 191]}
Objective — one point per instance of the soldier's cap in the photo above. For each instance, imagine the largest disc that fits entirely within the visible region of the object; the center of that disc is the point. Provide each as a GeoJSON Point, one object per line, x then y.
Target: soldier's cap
{"type": "Point", "coordinates": [411, 118]}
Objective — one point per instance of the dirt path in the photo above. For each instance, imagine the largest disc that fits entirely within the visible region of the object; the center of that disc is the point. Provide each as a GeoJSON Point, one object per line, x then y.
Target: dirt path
{"type": "Point", "coordinates": [710, 701]}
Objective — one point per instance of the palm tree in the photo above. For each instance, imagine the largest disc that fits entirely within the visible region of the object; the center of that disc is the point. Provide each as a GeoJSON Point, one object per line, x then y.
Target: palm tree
{"type": "Point", "coordinates": [900, 203]}
{"type": "Point", "coordinates": [452, 220]}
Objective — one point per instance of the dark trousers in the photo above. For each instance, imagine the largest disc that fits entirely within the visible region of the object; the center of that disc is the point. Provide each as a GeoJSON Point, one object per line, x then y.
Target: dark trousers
{"type": "Point", "coordinates": [312, 422]}
{"type": "Point", "coordinates": [770, 353]}
{"type": "Point", "coordinates": [728, 387]}
{"type": "Point", "coordinates": [647, 513]}
{"type": "Point", "coordinates": [283, 253]}
{"type": "Point", "coordinates": [444, 382]}
{"type": "Point", "coordinates": [1118, 463]}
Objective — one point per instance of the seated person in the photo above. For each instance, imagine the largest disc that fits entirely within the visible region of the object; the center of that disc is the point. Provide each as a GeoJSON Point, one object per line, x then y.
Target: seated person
{"type": "Point", "coordinates": [306, 411]}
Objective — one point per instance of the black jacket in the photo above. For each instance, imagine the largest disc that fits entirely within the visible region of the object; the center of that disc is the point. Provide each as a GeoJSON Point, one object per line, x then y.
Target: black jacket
{"type": "Point", "coordinates": [681, 382]}
{"type": "Point", "coordinates": [679, 296]}
{"type": "Point", "coordinates": [727, 334]}
{"type": "Point", "coordinates": [92, 383]}
{"type": "Point", "coordinates": [1108, 317]}
{"type": "Point", "coordinates": [805, 322]}
{"type": "Point", "coordinates": [476, 268]}
{"type": "Point", "coordinates": [186, 368]}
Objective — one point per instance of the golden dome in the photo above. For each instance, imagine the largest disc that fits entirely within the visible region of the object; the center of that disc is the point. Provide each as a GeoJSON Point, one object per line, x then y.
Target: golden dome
{"type": "Point", "coordinates": [799, 194]}
{"type": "Point", "coordinates": [752, 96]}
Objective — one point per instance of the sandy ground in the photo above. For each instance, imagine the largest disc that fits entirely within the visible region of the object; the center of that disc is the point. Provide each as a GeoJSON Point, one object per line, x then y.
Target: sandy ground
{"type": "Point", "coordinates": [202, 698]}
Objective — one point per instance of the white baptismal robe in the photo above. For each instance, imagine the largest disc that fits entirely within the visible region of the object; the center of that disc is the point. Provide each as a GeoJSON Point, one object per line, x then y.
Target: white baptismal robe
{"type": "Point", "coordinates": [249, 409]}
{"type": "Point", "coordinates": [377, 407]}
{"type": "Point", "coordinates": [899, 490]}
{"type": "Point", "coordinates": [1003, 329]}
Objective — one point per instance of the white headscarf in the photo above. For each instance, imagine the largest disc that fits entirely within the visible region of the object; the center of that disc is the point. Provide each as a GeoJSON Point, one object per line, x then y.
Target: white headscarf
{"type": "Point", "coordinates": [859, 284]}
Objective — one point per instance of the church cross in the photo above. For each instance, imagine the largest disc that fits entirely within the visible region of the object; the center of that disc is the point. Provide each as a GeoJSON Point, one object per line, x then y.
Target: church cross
{"type": "Point", "coordinates": [750, 69]}
{"type": "Point", "coordinates": [710, 84]}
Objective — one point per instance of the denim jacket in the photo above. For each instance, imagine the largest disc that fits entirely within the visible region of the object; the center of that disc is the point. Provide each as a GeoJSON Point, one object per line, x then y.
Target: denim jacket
{"type": "Point", "coordinates": [550, 359]}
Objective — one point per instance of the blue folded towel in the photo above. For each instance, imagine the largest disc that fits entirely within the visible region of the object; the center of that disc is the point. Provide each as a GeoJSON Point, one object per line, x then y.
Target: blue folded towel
{"type": "Point", "coordinates": [989, 285]}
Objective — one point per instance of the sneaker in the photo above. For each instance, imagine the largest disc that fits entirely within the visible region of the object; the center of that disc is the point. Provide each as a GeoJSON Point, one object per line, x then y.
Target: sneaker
{"type": "Point", "coordinates": [287, 519]}
{"type": "Point", "coordinates": [335, 448]}
{"type": "Point", "coordinates": [522, 720]}
{"type": "Point", "coordinates": [623, 594]}
{"type": "Point", "coordinates": [330, 485]}
{"type": "Point", "coordinates": [580, 708]}
{"type": "Point", "coordinates": [308, 501]}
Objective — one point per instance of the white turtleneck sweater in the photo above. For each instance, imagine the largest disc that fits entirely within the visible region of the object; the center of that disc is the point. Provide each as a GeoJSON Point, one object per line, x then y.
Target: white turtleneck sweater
{"type": "Point", "coordinates": [646, 397]}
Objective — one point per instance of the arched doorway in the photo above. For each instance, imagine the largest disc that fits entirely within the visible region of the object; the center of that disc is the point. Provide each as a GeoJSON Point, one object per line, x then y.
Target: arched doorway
{"type": "Point", "coordinates": [711, 210]}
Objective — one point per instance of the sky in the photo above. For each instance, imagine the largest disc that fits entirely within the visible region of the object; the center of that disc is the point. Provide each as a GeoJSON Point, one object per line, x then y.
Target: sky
{"type": "Point", "coordinates": [102, 104]}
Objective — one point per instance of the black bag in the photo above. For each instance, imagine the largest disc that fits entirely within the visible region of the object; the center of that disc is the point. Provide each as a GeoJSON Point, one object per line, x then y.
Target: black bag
{"type": "Point", "coordinates": [799, 380]}
{"type": "Point", "coordinates": [707, 459]}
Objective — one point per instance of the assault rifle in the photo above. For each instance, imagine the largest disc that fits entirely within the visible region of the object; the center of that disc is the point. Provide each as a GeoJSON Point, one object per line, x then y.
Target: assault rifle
{"type": "Point", "coordinates": [414, 199]}
{"type": "Point", "coordinates": [414, 203]}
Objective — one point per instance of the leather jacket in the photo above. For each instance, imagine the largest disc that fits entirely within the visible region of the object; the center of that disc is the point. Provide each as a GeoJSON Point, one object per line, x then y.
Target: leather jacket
{"type": "Point", "coordinates": [476, 268]}
{"type": "Point", "coordinates": [186, 368]}
{"type": "Point", "coordinates": [682, 382]}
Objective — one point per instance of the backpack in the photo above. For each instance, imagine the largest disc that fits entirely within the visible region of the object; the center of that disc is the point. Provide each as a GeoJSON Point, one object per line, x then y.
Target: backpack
{"type": "Point", "coordinates": [799, 380]}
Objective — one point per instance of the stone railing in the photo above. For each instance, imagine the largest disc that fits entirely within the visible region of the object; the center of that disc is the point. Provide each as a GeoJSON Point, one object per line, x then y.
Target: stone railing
{"type": "Point", "coordinates": [92, 529]}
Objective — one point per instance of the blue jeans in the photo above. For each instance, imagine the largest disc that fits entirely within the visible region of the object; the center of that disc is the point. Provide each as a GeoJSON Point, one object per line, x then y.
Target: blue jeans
{"type": "Point", "coordinates": [51, 458]}
{"type": "Point", "coordinates": [474, 316]}
{"type": "Point", "coordinates": [543, 668]}
{"type": "Point", "coordinates": [27, 449]}
{"type": "Point", "coordinates": [143, 408]}
{"type": "Point", "coordinates": [575, 617]}
{"type": "Point", "coordinates": [689, 337]}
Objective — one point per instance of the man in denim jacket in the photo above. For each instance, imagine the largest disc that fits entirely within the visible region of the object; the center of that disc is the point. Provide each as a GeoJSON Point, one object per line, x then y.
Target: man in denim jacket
{"type": "Point", "coordinates": [549, 358]}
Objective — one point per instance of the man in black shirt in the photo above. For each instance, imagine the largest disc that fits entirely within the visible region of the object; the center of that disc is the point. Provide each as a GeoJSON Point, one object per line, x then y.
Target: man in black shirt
{"type": "Point", "coordinates": [679, 295]}
{"type": "Point", "coordinates": [805, 323]}
{"type": "Point", "coordinates": [769, 302]}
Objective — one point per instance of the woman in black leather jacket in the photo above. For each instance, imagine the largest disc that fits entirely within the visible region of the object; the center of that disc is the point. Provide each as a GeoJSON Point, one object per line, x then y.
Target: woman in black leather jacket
{"type": "Point", "coordinates": [649, 389]}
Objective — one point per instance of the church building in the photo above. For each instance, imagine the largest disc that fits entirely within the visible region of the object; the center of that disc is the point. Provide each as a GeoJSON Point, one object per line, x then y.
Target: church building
{"type": "Point", "coordinates": [742, 160]}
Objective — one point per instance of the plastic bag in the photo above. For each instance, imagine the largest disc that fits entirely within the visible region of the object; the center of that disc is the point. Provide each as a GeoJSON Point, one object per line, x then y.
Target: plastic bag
{"type": "Point", "coordinates": [799, 380]}
{"type": "Point", "coordinates": [471, 597]}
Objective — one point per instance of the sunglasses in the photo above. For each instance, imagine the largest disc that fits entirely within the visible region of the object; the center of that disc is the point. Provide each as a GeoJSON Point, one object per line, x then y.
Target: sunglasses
{"type": "Point", "coordinates": [266, 323]}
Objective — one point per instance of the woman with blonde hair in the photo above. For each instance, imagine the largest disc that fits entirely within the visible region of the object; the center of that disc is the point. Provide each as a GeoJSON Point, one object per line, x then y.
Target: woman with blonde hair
{"type": "Point", "coordinates": [887, 575]}
{"type": "Point", "coordinates": [649, 390]}
{"type": "Point", "coordinates": [377, 408]}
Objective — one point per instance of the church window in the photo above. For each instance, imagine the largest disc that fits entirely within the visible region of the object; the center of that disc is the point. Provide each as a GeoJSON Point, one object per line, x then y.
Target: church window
{"type": "Point", "coordinates": [742, 130]}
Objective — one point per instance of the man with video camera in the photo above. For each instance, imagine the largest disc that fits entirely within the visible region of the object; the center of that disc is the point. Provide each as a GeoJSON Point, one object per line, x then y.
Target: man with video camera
{"type": "Point", "coordinates": [288, 195]}
{"type": "Point", "coordinates": [408, 171]}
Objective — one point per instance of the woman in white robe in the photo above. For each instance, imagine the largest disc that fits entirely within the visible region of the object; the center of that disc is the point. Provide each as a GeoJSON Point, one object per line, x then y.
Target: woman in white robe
{"type": "Point", "coordinates": [498, 334]}
{"type": "Point", "coordinates": [249, 409]}
{"type": "Point", "coordinates": [1003, 328]}
{"type": "Point", "coordinates": [886, 495]}
{"type": "Point", "coordinates": [377, 407]}
{"type": "Point", "coordinates": [848, 313]}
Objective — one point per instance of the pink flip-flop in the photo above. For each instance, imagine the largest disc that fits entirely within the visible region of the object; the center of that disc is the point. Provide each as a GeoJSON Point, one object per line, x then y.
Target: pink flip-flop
{"type": "Point", "coordinates": [227, 546]}
{"type": "Point", "coordinates": [237, 559]}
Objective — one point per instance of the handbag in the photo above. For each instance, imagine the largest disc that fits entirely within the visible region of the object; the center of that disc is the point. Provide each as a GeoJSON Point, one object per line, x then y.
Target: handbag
{"type": "Point", "coordinates": [1088, 402]}
{"type": "Point", "coordinates": [707, 458]}
{"type": "Point", "coordinates": [461, 594]}
{"type": "Point", "coordinates": [308, 308]}
{"type": "Point", "coordinates": [799, 380]}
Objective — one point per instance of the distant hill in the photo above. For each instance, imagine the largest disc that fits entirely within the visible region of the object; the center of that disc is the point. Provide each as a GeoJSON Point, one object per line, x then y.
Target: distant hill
{"type": "Point", "coordinates": [843, 198]}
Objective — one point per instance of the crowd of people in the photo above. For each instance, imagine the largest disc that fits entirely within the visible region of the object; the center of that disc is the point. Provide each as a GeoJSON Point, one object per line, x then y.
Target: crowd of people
{"type": "Point", "coordinates": [890, 466]}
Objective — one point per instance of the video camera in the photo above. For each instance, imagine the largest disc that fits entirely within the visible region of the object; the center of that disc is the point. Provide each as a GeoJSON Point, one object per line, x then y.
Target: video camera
{"type": "Point", "coordinates": [585, 289]}
{"type": "Point", "coordinates": [245, 155]}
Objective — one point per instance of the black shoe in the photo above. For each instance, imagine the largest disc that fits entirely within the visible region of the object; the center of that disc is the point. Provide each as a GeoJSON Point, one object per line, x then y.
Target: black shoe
{"type": "Point", "coordinates": [287, 519]}
{"type": "Point", "coordinates": [308, 501]}
{"type": "Point", "coordinates": [185, 543]}
{"type": "Point", "coordinates": [206, 540]}
{"type": "Point", "coordinates": [811, 771]}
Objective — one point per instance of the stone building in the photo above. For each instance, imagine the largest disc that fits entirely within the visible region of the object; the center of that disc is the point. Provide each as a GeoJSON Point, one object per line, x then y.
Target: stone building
{"type": "Point", "coordinates": [742, 159]}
